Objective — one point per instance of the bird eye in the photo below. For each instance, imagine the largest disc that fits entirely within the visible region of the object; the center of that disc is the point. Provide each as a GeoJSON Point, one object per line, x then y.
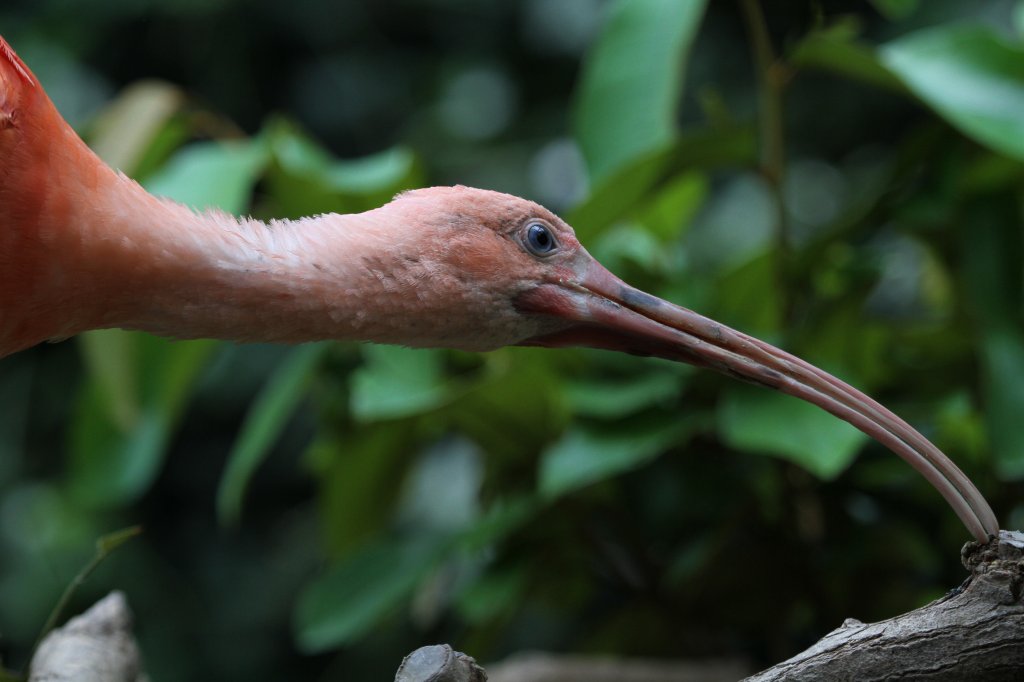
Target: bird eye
{"type": "Point", "coordinates": [539, 239]}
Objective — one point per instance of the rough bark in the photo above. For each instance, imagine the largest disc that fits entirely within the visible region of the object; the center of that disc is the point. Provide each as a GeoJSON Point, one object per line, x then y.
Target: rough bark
{"type": "Point", "coordinates": [439, 663]}
{"type": "Point", "coordinates": [96, 646]}
{"type": "Point", "coordinates": [976, 632]}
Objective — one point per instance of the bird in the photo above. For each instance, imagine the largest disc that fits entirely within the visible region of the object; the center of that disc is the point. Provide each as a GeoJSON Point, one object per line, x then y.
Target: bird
{"type": "Point", "coordinates": [84, 247]}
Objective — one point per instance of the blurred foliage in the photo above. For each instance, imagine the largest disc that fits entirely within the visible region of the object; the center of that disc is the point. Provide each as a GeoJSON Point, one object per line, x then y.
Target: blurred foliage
{"type": "Point", "coordinates": [843, 179]}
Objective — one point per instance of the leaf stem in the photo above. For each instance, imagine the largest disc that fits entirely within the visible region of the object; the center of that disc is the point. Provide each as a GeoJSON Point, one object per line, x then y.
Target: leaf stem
{"type": "Point", "coordinates": [104, 546]}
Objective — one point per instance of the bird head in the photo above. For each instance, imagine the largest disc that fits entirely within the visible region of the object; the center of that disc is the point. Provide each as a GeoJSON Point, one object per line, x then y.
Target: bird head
{"type": "Point", "coordinates": [519, 275]}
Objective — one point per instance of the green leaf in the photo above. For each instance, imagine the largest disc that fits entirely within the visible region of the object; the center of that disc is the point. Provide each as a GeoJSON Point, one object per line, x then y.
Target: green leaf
{"type": "Point", "coordinates": [1002, 356]}
{"type": "Point", "coordinates": [748, 297]}
{"type": "Point", "coordinates": [629, 243]}
{"type": "Point", "coordinates": [212, 175]}
{"type": "Point", "coordinates": [360, 475]}
{"type": "Point", "coordinates": [116, 452]}
{"type": "Point", "coordinates": [398, 382]}
{"type": "Point", "coordinates": [632, 82]}
{"type": "Point", "coordinates": [493, 594]}
{"type": "Point", "coordinates": [674, 207]}
{"type": "Point", "coordinates": [306, 179]}
{"type": "Point", "coordinates": [588, 455]}
{"type": "Point", "coordinates": [515, 408]}
{"type": "Point", "coordinates": [267, 417]}
{"type": "Point", "coordinates": [350, 599]}
{"type": "Point", "coordinates": [836, 49]}
{"type": "Point", "coordinates": [503, 517]}
{"type": "Point", "coordinates": [112, 358]}
{"type": "Point", "coordinates": [761, 421]}
{"type": "Point", "coordinates": [969, 76]}
{"type": "Point", "coordinates": [613, 399]}
{"type": "Point", "coordinates": [991, 255]}
{"type": "Point", "coordinates": [844, 337]}
{"type": "Point", "coordinates": [629, 189]}
{"type": "Point", "coordinates": [895, 9]}
{"type": "Point", "coordinates": [298, 154]}
{"type": "Point", "coordinates": [127, 128]}
{"type": "Point", "coordinates": [621, 193]}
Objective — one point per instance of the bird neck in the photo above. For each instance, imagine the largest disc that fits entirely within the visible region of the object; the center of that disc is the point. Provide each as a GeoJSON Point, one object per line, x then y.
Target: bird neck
{"type": "Point", "coordinates": [83, 247]}
{"type": "Point", "coordinates": [164, 268]}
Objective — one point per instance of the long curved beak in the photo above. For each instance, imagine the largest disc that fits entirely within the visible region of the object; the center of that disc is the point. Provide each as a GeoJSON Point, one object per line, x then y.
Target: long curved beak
{"type": "Point", "coordinates": [609, 314]}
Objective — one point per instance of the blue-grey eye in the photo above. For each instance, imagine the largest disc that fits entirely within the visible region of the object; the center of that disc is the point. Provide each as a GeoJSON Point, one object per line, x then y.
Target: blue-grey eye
{"type": "Point", "coordinates": [539, 239]}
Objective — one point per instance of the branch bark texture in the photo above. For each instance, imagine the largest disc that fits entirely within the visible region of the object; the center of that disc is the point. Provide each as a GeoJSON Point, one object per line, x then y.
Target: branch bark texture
{"type": "Point", "coordinates": [976, 632]}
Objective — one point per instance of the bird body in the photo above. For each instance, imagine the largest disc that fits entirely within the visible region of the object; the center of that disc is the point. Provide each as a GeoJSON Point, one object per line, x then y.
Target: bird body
{"type": "Point", "coordinates": [84, 247]}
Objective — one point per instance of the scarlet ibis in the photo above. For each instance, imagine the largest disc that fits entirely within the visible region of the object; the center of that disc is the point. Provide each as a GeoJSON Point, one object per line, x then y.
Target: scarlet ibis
{"type": "Point", "coordinates": [84, 247]}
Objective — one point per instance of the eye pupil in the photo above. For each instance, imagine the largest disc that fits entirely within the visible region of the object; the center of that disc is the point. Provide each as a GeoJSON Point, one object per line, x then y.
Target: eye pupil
{"type": "Point", "coordinates": [540, 239]}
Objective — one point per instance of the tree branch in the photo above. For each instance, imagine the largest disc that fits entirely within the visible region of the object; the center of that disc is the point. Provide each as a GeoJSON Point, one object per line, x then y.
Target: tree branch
{"type": "Point", "coordinates": [976, 632]}
{"type": "Point", "coordinates": [96, 646]}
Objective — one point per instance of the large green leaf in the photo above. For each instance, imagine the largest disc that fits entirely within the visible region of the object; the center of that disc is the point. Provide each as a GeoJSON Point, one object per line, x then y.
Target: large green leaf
{"type": "Point", "coordinates": [673, 208]}
{"type": "Point", "coordinates": [630, 188]}
{"type": "Point", "coordinates": [503, 517]}
{"type": "Point", "coordinates": [762, 421]}
{"type": "Point", "coordinates": [896, 9]}
{"type": "Point", "coordinates": [1003, 362]}
{"type": "Point", "coordinates": [515, 407]}
{"type": "Point", "coordinates": [359, 475]}
{"type": "Point", "coordinates": [128, 127]}
{"type": "Point", "coordinates": [127, 411]}
{"type": "Point", "coordinates": [267, 417]}
{"type": "Point", "coordinates": [749, 297]}
{"type": "Point", "coordinates": [346, 602]}
{"type": "Point", "coordinates": [633, 80]}
{"type": "Point", "coordinates": [212, 175]}
{"type": "Point", "coordinates": [969, 76]}
{"type": "Point", "coordinates": [619, 194]}
{"type": "Point", "coordinates": [306, 179]}
{"type": "Point", "coordinates": [369, 174]}
{"type": "Point", "coordinates": [837, 49]}
{"type": "Point", "coordinates": [398, 382]}
{"type": "Point", "coordinates": [493, 594]}
{"type": "Point", "coordinates": [990, 245]}
{"type": "Point", "coordinates": [588, 455]}
{"type": "Point", "coordinates": [612, 399]}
